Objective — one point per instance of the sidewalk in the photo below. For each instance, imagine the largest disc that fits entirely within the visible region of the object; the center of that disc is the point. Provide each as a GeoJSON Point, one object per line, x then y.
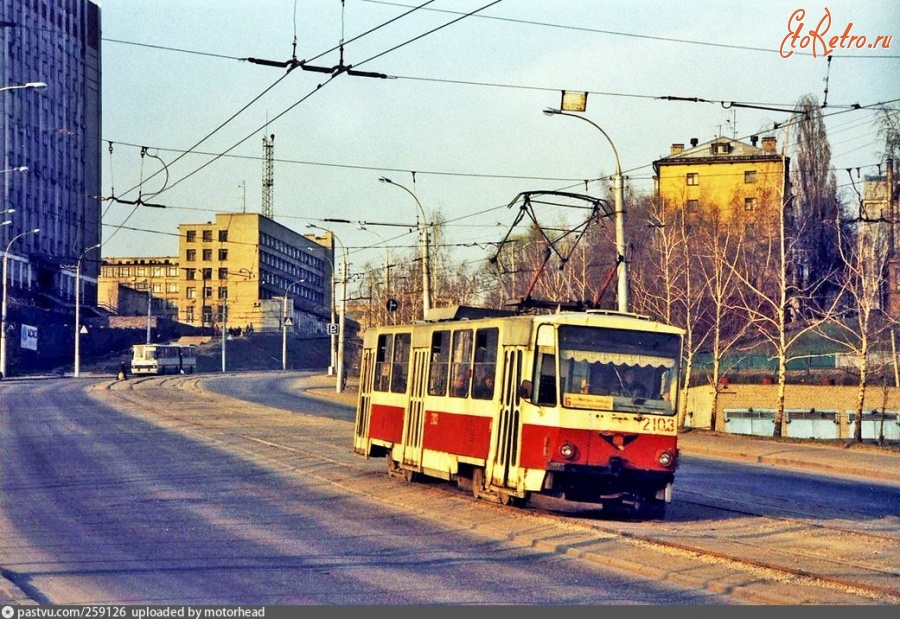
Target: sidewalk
{"type": "Point", "coordinates": [864, 461]}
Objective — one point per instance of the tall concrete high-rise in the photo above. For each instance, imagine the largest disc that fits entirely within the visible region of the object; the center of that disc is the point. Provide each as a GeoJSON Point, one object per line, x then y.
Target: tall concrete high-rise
{"type": "Point", "coordinates": [54, 131]}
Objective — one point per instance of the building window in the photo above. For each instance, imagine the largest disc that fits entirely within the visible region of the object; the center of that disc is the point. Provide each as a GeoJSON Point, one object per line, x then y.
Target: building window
{"type": "Point", "coordinates": [207, 292]}
{"type": "Point", "coordinates": [223, 254]}
{"type": "Point", "coordinates": [693, 179]}
{"type": "Point", "coordinates": [207, 254]}
{"type": "Point", "coordinates": [693, 206]}
{"type": "Point", "coordinates": [157, 272]}
{"type": "Point", "coordinates": [750, 176]}
{"type": "Point", "coordinates": [190, 274]}
{"type": "Point", "coordinates": [189, 313]}
{"type": "Point", "coordinates": [156, 287]}
{"type": "Point", "coordinates": [190, 292]}
{"type": "Point", "coordinates": [191, 236]}
{"type": "Point", "coordinates": [190, 255]}
{"type": "Point", "coordinates": [223, 292]}
{"type": "Point", "coordinates": [207, 273]}
{"type": "Point", "coordinates": [223, 273]}
{"type": "Point", "coordinates": [749, 204]}
{"type": "Point", "coordinates": [172, 287]}
{"type": "Point", "coordinates": [720, 148]}
{"type": "Point", "coordinates": [223, 236]}
{"type": "Point", "coordinates": [207, 236]}
{"type": "Point", "coordinates": [141, 272]}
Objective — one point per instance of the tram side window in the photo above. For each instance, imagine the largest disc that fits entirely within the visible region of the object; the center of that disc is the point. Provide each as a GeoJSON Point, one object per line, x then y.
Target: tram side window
{"type": "Point", "coordinates": [400, 376]}
{"type": "Point", "coordinates": [485, 363]}
{"type": "Point", "coordinates": [440, 362]}
{"type": "Point", "coordinates": [461, 366]}
{"type": "Point", "coordinates": [545, 367]}
{"type": "Point", "coordinates": [383, 354]}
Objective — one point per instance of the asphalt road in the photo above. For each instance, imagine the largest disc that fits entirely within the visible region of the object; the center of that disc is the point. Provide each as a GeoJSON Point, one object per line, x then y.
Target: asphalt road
{"type": "Point", "coordinates": [106, 507]}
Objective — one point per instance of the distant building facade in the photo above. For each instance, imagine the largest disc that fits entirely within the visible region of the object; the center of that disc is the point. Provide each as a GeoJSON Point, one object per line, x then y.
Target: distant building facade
{"type": "Point", "coordinates": [243, 271]}
{"type": "Point", "coordinates": [877, 235]}
{"type": "Point", "coordinates": [138, 286]}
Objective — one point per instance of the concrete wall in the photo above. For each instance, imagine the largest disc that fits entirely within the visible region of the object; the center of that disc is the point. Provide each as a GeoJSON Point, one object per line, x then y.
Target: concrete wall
{"type": "Point", "coordinates": [811, 404]}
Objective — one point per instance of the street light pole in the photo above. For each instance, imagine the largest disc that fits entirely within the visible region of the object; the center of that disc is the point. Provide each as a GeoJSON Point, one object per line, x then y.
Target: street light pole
{"type": "Point", "coordinates": [149, 306]}
{"type": "Point", "coordinates": [77, 371]}
{"type": "Point", "coordinates": [339, 383]}
{"type": "Point", "coordinates": [284, 324]}
{"type": "Point", "coordinates": [426, 267]}
{"type": "Point", "coordinates": [3, 309]}
{"type": "Point", "coordinates": [224, 326]}
{"type": "Point", "coordinates": [622, 268]}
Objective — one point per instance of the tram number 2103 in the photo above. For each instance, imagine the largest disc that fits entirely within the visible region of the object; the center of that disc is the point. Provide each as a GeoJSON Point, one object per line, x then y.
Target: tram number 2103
{"type": "Point", "coordinates": [659, 424]}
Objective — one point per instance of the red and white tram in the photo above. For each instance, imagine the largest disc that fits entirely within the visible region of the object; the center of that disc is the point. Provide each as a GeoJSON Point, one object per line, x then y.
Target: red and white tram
{"type": "Point", "coordinates": [574, 405]}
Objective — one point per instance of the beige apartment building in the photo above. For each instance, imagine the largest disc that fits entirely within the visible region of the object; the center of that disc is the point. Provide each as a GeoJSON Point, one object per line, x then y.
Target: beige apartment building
{"type": "Point", "coordinates": [242, 270]}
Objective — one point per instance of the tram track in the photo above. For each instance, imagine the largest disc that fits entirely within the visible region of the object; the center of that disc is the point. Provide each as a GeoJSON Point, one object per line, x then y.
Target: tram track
{"type": "Point", "coordinates": [771, 555]}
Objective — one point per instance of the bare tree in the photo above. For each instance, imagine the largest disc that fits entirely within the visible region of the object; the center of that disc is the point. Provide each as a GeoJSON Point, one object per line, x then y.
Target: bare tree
{"type": "Point", "coordinates": [719, 246]}
{"type": "Point", "coordinates": [862, 324]}
{"type": "Point", "coordinates": [771, 297]}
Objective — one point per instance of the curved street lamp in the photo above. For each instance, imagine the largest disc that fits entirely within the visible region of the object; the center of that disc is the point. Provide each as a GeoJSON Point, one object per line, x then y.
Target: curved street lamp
{"type": "Point", "coordinates": [28, 86]}
{"type": "Point", "coordinates": [339, 383]}
{"type": "Point", "coordinates": [622, 290]}
{"type": "Point", "coordinates": [77, 371]}
{"type": "Point", "coordinates": [426, 267]}
{"type": "Point", "coordinates": [3, 309]}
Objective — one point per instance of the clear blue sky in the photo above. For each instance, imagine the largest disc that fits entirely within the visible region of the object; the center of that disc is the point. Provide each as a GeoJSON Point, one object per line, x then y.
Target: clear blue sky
{"type": "Point", "coordinates": [463, 107]}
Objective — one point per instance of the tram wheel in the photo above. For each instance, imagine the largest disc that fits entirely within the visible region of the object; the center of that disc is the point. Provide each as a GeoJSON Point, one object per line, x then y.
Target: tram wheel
{"type": "Point", "coordinates": [511, 500]}
{"type": "Point", "coordinates": [477, 482]}
{"type": "Point", "coordinates": [410, 476]}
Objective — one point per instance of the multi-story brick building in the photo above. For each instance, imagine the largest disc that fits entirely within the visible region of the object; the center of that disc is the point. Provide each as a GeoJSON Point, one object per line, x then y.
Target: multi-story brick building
{"type": "Point", "coordinates": [732, 178]}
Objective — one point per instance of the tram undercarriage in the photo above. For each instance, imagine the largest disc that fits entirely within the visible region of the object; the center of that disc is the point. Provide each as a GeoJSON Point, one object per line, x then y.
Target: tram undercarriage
{"type": "Point", "coordinates": [630, 495]}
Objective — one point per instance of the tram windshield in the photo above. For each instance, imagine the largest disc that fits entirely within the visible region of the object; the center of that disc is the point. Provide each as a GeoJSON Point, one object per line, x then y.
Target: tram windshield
{"type": "Point", "coordinates": [602, 368]}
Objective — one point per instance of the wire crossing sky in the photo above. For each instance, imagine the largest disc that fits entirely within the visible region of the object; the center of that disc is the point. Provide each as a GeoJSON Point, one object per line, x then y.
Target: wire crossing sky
{"type": "Point", "coordinates": [458, 117]}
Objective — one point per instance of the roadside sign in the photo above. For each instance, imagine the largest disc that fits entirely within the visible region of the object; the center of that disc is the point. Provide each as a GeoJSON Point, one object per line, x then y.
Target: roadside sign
{"type": "Point", "coordinates": [392, 305]}
{"type": "Point", "coordinates": [332, 328]}
{"type": "Point", "coordinates": [288, 322]}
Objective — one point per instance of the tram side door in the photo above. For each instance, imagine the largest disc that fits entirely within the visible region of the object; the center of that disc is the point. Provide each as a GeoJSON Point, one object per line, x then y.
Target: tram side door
{"type": "Point", "coordinates": [506, 450]}
{"type": "Point", "coordinates": [361, 443]}
{"type": "Point", "coordinates": [413, 422]}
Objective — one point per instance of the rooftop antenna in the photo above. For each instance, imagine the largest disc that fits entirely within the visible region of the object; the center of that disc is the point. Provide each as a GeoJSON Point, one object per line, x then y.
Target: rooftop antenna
{"type": "Point", "coordinates": [268, 181]}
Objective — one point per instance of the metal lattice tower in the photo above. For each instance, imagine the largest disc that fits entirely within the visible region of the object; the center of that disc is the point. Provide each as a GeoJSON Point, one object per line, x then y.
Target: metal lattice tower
{"type": "Point", "coordinates": [268, 179]}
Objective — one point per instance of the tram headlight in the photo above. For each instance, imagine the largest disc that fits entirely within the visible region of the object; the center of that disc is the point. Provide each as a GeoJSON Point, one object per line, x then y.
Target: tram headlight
{"type": "Point", "coordinates": [665, 458]}
{"type": "Point", "coordinates": [568, 451]}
